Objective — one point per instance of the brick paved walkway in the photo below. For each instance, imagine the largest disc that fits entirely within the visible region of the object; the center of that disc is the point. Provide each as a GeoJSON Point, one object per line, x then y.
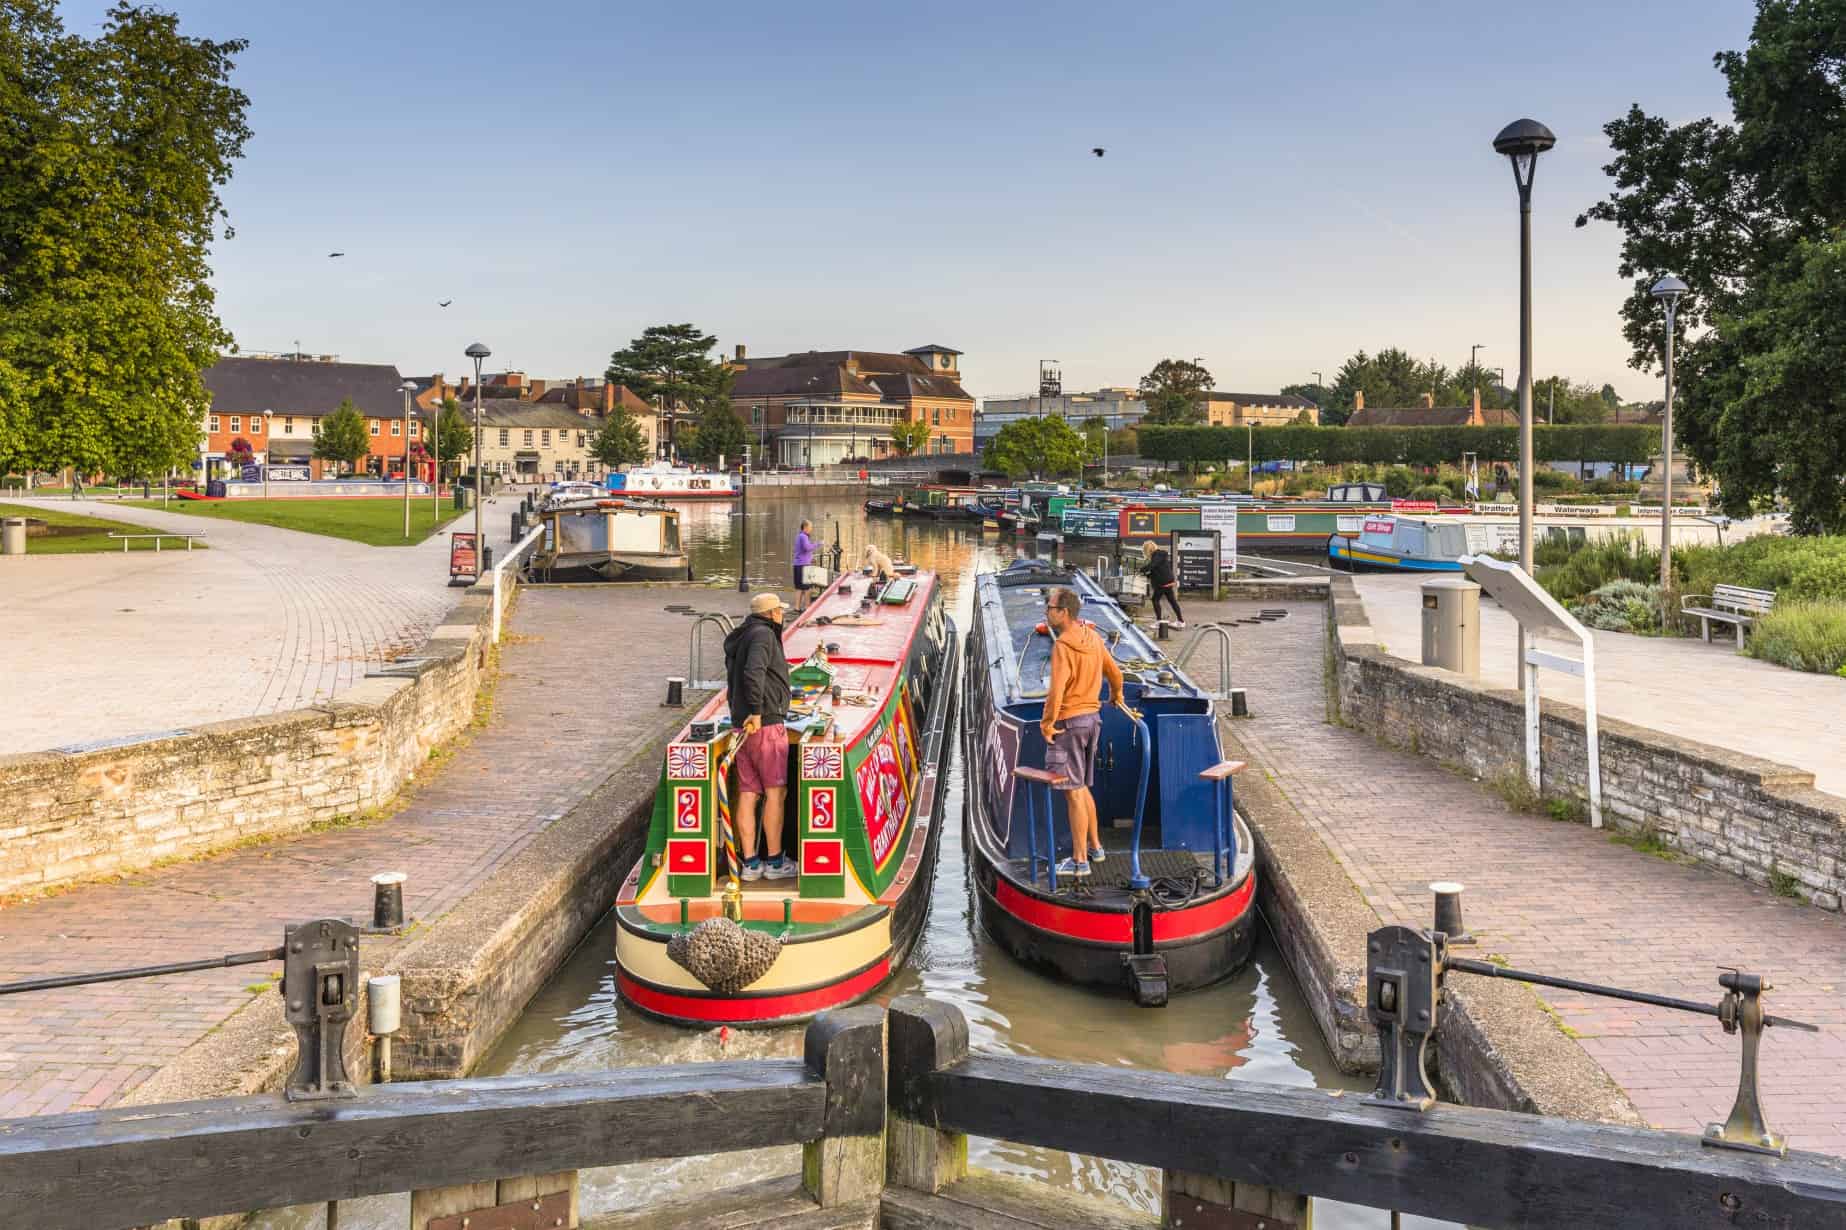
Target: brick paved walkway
{"type": "Point", "coordinates": [106, 645]}
{"type": "Point", "coordinates": [577, 686]}
{"type": "Point", "coordinates": [1563, 899]}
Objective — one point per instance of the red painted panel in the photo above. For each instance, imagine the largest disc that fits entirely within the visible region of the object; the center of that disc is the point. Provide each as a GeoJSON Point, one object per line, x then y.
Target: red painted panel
{"type": "Point", "coordinates": [745, 1008]}
{"type": "Point", "coordinates": [689, 858]}
{"type": "Point", "coordinates": [822, 858]}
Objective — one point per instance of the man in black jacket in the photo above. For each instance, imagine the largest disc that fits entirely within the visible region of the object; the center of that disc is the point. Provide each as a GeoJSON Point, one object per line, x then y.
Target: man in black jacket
{"type": "Point", "coordinates": [756, 677]}
{"type": "Point", "coordinates": [1161, 583]}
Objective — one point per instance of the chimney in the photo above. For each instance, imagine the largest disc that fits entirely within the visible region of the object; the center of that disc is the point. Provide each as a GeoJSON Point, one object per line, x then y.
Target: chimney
{"type": "Point", "coordinates": [1358, 399]}
{"type": "Point", "coordinates": [740, 352]}
{"type": "Point", "coordinates": [1429, 401]}
{"type": "Point", "coordinates": [1476, 419]}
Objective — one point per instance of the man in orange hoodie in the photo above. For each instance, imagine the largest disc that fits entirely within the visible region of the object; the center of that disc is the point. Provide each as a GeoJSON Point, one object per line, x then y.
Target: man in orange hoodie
{"type": "Point", "coordinates": [1073, 721]}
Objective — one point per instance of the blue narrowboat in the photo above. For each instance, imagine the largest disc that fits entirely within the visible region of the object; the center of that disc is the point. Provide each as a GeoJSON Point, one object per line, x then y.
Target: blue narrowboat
{"type": "Point", "coordinates": [1173, 906]}
{"type": "Point", "coordinates": [1388, 543]}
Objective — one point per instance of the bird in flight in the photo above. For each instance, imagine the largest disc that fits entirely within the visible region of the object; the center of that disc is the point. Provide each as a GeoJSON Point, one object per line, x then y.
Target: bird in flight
{"type": "Point", "coordinates": [334, 254]}
{"type": "Point", "coordinates": [1098, 151]}
{"type": "Point", "coordinates": [444, 302]}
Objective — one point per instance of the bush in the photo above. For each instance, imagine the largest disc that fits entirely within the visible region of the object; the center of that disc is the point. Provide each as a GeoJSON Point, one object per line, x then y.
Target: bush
{"type": "Point", "coordinates": [1430, 491]}
{"type": "Point", "coordinates": [1587, 569]}
{"type": "Point", "coordinates": [1796, 568]}
{"type": "Point", "coordinates": [1621, 606]}
{"type": "Point", "coordinates": [1544, 478]}
{"type": "Point", "coordinates": [1803, 636]}
{"type": "Point", "coordinates": [1399, 482]}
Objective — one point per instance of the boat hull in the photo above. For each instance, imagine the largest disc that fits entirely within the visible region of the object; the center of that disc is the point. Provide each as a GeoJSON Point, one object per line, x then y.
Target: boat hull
{"type": "Point", "coordinates": [1347, 556]}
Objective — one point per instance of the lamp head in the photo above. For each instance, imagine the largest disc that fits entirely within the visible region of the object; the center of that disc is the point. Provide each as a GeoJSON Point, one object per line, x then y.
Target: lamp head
{"type": "Point", "coordinates": [1524, 137]}
{"type": "Point", "coordinates": [477, 351]}
{"type": "Point", "coordinates": [409, 386]}
{"type": "Point", "coordinates": [1668, 290]}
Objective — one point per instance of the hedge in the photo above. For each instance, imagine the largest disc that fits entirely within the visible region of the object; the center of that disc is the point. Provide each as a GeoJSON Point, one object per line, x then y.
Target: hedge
{"type": "Point", "coordinates": [1415, 446]}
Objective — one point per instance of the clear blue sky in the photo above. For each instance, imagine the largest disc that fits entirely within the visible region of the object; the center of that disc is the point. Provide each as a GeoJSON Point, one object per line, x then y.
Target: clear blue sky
{"type": "Point", "coordinates": [1284, 184]}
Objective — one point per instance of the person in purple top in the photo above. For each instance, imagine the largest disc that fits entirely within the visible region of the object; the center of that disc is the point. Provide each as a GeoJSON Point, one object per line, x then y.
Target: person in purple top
{"type": "Point", "coordinates": [805, 551]}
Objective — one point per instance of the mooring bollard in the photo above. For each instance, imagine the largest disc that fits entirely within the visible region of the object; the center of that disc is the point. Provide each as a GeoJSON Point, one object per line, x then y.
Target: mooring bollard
{"type": "Point", "coordinates": [1448, 912]}
{"type": "Point", "coordinates": [676, 691]}
{"type": "Point", "coordinates": [847, 1164]}
{"type": "Point", "coordinates": [925, 1037]}
{"type": "Point", "coordinates": [388, 900]}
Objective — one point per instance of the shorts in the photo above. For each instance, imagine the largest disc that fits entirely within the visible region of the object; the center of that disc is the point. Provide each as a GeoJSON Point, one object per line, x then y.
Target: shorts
{"type": "Point", "coordinates": [1073, 751]}
{"type": "Point", "coordinates": [762, 762]}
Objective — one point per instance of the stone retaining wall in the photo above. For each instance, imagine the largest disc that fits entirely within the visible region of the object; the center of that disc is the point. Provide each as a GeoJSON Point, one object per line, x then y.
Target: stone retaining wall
{"type": "Point", "coordinates": [122, 805]}
{"type": "Point", "coordinates": [1742, 814]}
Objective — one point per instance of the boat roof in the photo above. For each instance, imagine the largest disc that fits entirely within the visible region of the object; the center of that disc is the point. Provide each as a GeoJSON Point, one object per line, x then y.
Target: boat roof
{"type": "Point", "coordinates": [1014, 599]}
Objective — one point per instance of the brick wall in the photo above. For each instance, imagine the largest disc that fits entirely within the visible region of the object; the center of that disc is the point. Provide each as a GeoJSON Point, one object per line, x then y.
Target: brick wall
{"type": "Point", "coordinates": [65, 817]}
{"type": "Point", "coordinates": [1737, 813]}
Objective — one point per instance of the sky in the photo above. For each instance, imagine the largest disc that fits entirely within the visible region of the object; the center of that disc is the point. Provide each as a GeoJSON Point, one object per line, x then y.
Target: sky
{"type": "Point", "coordinates": [1284, 184]}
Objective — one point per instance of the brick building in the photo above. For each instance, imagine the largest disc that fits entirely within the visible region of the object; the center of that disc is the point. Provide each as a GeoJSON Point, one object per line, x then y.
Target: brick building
{"type": "Point", "coordinates": [1261, 409]}
{"type": "Point", "coordinates": [589, 396]}
{"type": "Point", "coordinates": [823, 407]}
{"type": "Point", "coordinates": [276, 405]}
{"type": "Point", "coordinates": [526, 441]}
{"type": "Point", "coordinates": [1428, 414]}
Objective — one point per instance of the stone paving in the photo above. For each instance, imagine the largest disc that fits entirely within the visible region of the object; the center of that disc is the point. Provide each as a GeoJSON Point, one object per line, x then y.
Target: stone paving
{"type": "Point", "coordinates": [109, 645]}
{"type": "Point", "coordinates": [1677, 685]}
{"type": "Point", "coordinates": [1559, 898]}
{"type": "Point", "coordinates": [580, 684]}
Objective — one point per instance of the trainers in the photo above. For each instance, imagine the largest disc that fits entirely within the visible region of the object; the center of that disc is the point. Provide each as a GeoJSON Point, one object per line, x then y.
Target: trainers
{"type": "Point", "coordinates": [753, 869]}
{"type": "Point", "coordinates": [1177, 623]}
{"type": "Point", "coordinates": [1070, 867]}
{"type": "Point", "coordinates": [781, 867]}
{"type": "Point", "coordinates": [1099, 855]}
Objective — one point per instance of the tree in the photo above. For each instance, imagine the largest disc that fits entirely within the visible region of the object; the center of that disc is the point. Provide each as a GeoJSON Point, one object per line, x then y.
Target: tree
{"type": "Point", "coordinates": [111, 160]}
{"type": "Point", "coordinates": [721, 435]}
{"type": "Point", "coordinates": [670, 363]}
{"type": "Point", "coordinates": [1037, 446]}
{"type": "Point", "coordinates": [1331, 413]}
{"type": "Point", "coordinates": [1557, 400]}
{"type": "Point", "coordinates": [909, 437]}
{"type": "Point", "coordinates": [1173, 389]}
{"type": "Point", "coordinates": [454, 437]}
{"type": "Point", "coordinates": [343, 438]}
{"type": "Point", "coordinates": [1742, 212]}
{"type": "Point", "coordinates": [620, 441]}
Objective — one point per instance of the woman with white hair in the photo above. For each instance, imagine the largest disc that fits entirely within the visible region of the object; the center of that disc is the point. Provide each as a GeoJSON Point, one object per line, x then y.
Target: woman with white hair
{"type": "Point", "coordinates": [1161, 583]}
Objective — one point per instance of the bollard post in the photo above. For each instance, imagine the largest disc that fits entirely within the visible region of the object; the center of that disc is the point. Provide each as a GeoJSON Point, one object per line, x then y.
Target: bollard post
{"type": "Point", "coordinates": [388, 900]}
{"type": "Point", "coordinates": [1448, 912]}
{"type": "Point", "coordinates": [925, 1037]}
{"type": "Point", "coordinates": [676, 691]}
{"type": "Point", "coordinates": [847, 1164]}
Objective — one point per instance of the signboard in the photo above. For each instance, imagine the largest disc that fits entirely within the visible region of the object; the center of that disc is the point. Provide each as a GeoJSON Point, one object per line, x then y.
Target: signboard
{"type": "Point", "coordinates": [882, 798]}
{"type": "Point", "coordinates": [253, 473]}
{"type": "Point", "coordinates": [289, 474]}
{"type": "Point", "coordinates": [1380, 525]}
{"type": "Point", "coordinates": [1414, 506]}
{"type": "Point", "coordinates": [1142, 524]}
{"type": "Point", "coordinates": [464, 560]}
{"type": "Point", "coordinates": [1282, 525]}
{"type": "Point", "coordinates": [1091, 522]}
{"type": "Point", "coordinates": [1223, 518]}
{"type": "Point", "coordinates": [1195, 560]}
{"type": "Point", "coordinates": [1493, 538]}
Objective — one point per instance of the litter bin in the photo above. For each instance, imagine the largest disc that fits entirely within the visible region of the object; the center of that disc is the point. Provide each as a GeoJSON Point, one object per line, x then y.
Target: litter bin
{"type": "Point", "coordinates": [13, 536]}
{"type": "Point", "coordinates": [1452, 625]}
{"type": "Point", "coordinates": [215, 488]}
{"type": "Point", "coordinates": [461, 495]}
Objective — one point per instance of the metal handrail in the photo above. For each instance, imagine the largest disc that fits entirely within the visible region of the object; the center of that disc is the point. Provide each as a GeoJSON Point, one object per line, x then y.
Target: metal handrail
{"type": "Point", "coordinates": [1144, 740]}
{"type": "Point", "coordinates": [1224, 657]}
{"type": "Point", "coordinates": [695, 654]}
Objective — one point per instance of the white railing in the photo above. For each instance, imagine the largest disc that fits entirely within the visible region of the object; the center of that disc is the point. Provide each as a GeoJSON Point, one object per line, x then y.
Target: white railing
{"type": "Point", "coordinates": [503, 588]}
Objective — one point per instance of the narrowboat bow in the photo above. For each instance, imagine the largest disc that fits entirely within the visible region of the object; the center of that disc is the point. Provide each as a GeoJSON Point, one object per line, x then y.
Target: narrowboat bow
{"type": "Point", "coordinates": [1173, 906]}
{"type": "Point", "coordinates": [875, 673]}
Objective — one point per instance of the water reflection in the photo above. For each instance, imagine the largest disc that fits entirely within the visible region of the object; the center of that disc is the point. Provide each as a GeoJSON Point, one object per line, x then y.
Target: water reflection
{"type": "Point", "coordinates": [1254, 1026]}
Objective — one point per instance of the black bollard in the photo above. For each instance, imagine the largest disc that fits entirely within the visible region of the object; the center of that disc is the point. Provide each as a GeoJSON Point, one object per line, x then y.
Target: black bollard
{"type": "Point", "coordinates": [676, 691]}
{"type": "Point", "coordinates": [388, 900]}
{"type": "Point", "coordinates": [1448, 912]}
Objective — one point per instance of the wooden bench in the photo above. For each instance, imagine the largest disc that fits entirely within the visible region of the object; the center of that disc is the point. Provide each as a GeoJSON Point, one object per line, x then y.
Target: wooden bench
{"type": "Point", "coordinates": [1737, 605]}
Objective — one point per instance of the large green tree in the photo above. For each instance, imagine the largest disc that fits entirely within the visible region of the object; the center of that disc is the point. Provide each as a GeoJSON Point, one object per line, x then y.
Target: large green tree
{"type": "Point", "coordinates": [1172, 391]}
{"type": "Point", "coordinates": [909, 437]}
{"type": "Point", "coordinates": [113, 152]}
{"type": "Point", "coordinates": [454, 437]}
{"type": "Point", "coordinates": [1039, 447]}
{"type": "Point", "coordinates": [721, 434]}
{"type": "Point", "coordinates": [671, 363]}
{"type": "Point", "coordinates": [342, 439]}
{"type": "Point", "coordinates": [619, 441]}
{"type": "Point", "coordinates": [1745, 213]}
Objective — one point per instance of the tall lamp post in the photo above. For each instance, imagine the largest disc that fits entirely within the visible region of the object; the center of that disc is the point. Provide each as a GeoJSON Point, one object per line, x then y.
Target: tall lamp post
{"type": "Point", "coordinates": [269, 451]}
{"type": "Point", "coordinates": [407, 388]}
{"type": "Point", "coordinates": [1522, 141]}
{"type": "Point", "coordinates": [1668, 290]}
{"type": "Point", "coordinates": [743, 523]}
{"type": "Point", "coordinates": [477, 352]}
{"type": "Point", "coordinates": [435, 477]}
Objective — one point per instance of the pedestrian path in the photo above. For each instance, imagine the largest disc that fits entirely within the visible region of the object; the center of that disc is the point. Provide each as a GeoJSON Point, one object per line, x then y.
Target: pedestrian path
{"type": "Point", "coordinates": [1677, 685]}
{"type": "Point", "coordinates": [1559, 898]}
{"type": "Point", "coordinates": [110, 645]}
{"type": "Point", "coordinates": [573, 702]}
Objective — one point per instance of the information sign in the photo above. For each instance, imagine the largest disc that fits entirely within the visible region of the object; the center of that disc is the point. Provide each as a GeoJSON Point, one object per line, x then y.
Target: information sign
{"type": "Point", "coordinates": [1223, 519]}
{"type": "Point", "coordinates": [1195, 560]}
{"type": "Point", "coordinates": [464, 559]}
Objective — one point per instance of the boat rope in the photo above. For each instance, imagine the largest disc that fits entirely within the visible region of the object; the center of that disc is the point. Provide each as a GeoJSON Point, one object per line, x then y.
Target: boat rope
{"type": "Point", "coordinates": [727, 827]}
{"type": "Point", "coordinates": [1176, 892]}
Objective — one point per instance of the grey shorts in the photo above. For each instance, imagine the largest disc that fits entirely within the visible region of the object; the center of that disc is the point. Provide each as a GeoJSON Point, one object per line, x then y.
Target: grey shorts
{"type": "Point", "coordinates": [1073, 751]}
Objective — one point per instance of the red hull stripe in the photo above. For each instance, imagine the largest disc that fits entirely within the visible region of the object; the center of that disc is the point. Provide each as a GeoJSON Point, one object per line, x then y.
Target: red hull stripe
{"type": "Point", "coordinates": [1102, 927]}
{"type": "Point", "coordinates": [720, 1008]}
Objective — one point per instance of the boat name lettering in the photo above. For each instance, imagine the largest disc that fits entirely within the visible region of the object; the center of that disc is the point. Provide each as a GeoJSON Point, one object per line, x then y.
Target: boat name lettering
{"type": "Point", "coordinates": [687, 814]}
{"type": "Point", "coordinates": [1380, 525]}
{"type": "Point", "coordinates": [1414, 506]}
{"type": "Point", "coordinates": [881, 798]}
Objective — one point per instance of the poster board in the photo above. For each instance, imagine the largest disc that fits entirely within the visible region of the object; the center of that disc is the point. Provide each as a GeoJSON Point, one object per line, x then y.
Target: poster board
{"type": "Point", "coordinates": [1195, 557]}
{"type": "Point", "coordinates": [1223, 519]}
{"type": "Point", "coordinates": [464, 559]}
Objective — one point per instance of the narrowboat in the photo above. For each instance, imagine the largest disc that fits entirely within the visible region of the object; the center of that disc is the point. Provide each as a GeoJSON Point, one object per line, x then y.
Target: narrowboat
{"type": "Point", "coordinates": [1173, 906]}
{"type": "Point", "coordinates": [615, 539]}
{"type": "Point", "coordinates": [875, 671]}
{"type": "Point", "coordinates": [1262, 525]}
{"type": "Point", "coordinates": [662, 480]}
{"type": "Point", "coordinates": [1389, 543]}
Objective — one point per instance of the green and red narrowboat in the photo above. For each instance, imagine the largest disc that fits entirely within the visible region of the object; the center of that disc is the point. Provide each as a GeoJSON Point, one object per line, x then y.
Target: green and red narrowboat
{"type": "Point", "coordinates": [876, 672]}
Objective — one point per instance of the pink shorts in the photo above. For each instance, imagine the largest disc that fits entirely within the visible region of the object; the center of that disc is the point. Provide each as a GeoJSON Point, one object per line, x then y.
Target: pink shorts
{"type": "Point", "coordinates": [762, 762]}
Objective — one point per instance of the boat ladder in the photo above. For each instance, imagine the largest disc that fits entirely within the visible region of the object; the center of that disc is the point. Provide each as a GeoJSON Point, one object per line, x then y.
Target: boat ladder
{"type": "Point", "coordinates": [695, 656]}
{"type": "Point", "coordinates": [1184, 656]}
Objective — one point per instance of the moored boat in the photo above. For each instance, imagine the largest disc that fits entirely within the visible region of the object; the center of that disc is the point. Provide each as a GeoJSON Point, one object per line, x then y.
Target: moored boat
{"type": "Point", "coordinates": [1173, 906]}
{"type": "Point", "coordinates": [876, 681]}
{"type": "Point", "coordinates": [614, 539]}
{"type": "Point", "coordinates": [1388, 543]}
{"type": "Point", "coordinates": [662, 480]}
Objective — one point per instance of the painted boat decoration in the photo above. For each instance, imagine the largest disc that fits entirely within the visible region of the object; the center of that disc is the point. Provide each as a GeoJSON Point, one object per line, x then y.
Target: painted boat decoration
{"type": "Point", "coordinates": [1174, 905]}
{"type": "Point", "coordinates": [615, 539]}
{"type": "Point", "coordinates": [1388, 543]}
{"type": "Point", "coordinates": [876, 686]}
{"type": "Point", "coordinates": [662, 480]}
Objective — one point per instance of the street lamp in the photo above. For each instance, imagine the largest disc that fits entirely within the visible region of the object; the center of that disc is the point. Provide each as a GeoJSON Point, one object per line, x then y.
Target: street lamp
{"type": "Point", "coordinates": [477, 352]}
{"type": "Point", "coordinates": [743, 521]}
{"type": "Point", "coordinates": [1668, 290]}
{"type": "Point", "coordinates": [1249, 455]}
{"type": "Point", "coordinates": [407, 388]}
{"type": "Point", "coordinates": [269, 451]}
{"type": "Point", "coordinates": [1522, 141]}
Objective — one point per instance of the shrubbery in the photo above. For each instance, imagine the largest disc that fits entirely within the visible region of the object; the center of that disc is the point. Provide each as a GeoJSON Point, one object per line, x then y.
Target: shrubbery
{"type": "Point", "coordinates": [1416, 446]}
{"type": "Point", "coordinates": [1570, 574]}
{"type": "Point", "coordinates": [1803, 636]}
{"type": "Point", "coordinates": [1621, 606]}
{"type": "Point", "coordinates": [1796, 568]}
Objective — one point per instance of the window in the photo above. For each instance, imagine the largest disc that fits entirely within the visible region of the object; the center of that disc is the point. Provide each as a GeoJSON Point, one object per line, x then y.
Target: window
{"type": "Point", "coordinates": [936, 416]}
{"type": "Point", "coordinates": [288, 425]}
{"type": "Point", "coordinates": [256, 426]}
{"type": "Point", "coordinates": [397, 428]}
{"type": "Point", "coordinates": [756, 415]}
{"type": "Point", "coordinates": [413, 428]}
{"type": "Point", "coordinates": [212, 423]}
{"type": "Point", "coordinates": [314, 426]}
{"type": "Point", "coordinates": [237, 422]}
{"type": "Point", "coordinates": [374, 423]}
{"type": "Point", "coordinates": [579, 439]}
{"type": "Point", "coordinates": [528, 438]}
{"type": "Point", "coordinates": [544, 438]}
{"type": "Point", "coordinates": [504, 435]}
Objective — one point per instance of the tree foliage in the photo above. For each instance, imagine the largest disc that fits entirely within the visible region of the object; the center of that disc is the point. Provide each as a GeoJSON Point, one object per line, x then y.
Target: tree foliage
{"type": "Point", "coordinates": [1414, 446]}
{"type": "Point", "coordinates": [342, 437]}
{"type": "Point", "coordinates": [720, 436]}
{"type": "Point", "coordinates": [1039, 447]}
{"type": "Point", "coordinates": [1392, 378]}
{"type": "Point", "coordinates": [1744, 213]}
{"type": "Point", "coordinates": [454, 437]}
{"type": "Point", "coordinates": [909, 437]}
{"type": "Point", "coordinates": [671, 364]}
{"type": "Point", "coordinates": [620, 441]}
{"type": "Point", "coordinates": [112, 156]}
{"type": "Point", "coordinates": [1172, 391]}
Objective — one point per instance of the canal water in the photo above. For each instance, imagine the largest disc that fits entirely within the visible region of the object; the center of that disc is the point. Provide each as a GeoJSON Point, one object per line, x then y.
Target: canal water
{"type": "Point", "coordinates": [1254, 1026]}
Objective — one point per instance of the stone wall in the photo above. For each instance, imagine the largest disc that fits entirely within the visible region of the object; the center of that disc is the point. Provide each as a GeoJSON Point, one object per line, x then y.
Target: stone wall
{"type": "Point", "coordinates": [1742, 814]}
{"type": "Point", "coordinates": [125, 804]}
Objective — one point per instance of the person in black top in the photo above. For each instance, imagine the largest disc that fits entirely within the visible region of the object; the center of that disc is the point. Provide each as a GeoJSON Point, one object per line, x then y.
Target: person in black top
{"type": "Point", "coordinates": [756, 677]}
{"type": "Point", "coordinates": [1161, 583]}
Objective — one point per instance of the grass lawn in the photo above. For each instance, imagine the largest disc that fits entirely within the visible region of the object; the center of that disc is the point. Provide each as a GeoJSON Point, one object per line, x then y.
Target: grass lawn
{"type": "Point", "coordinates": [378, 522]}
{"type": "Point", "coordinates": [94, 536]}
